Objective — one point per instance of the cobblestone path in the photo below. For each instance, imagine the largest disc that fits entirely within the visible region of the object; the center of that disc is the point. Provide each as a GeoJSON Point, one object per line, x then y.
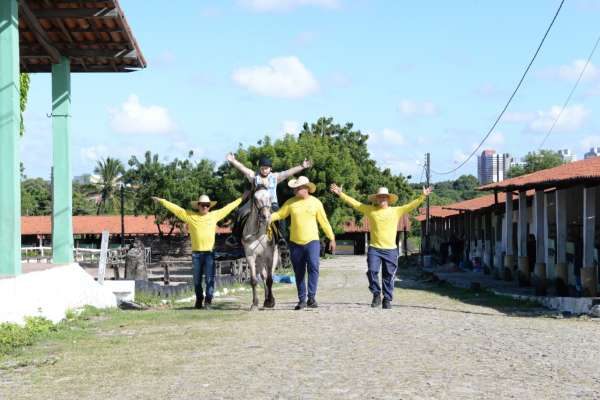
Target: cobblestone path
{"type": "Point", "coordinates": [427, 347]}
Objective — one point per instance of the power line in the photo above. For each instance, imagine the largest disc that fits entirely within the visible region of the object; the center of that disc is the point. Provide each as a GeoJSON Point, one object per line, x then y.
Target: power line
{"type": "Point", "coordinates": [571, 93]}
{"type": "Point", "coordinates": [509, 99]}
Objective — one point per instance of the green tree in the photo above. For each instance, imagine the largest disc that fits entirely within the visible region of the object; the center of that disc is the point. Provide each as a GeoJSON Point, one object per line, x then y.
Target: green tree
{"type": "Point", "coordinates": [179, 181]}
{"type": "Point", "coordinates": [36, 198]}
{"type": "Point", "coordinates": [536, 161]}
{"type": "Point", "coordinates": [110, 172]}
{"type": "Point", "coordinates": [24, 94]}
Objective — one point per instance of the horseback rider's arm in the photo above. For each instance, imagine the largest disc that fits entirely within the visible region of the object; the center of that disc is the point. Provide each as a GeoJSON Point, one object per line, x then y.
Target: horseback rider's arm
{"type": "Point", "coordinates": [410, 206]}
{"type": "Point", "coordinates": [248, 173]}
{"type": "Point", "coordinates": [179, 212]}
{"type": "Point", "coordinates": [223, 212]}
{"type": "Point", "coordinates": [283, 175]}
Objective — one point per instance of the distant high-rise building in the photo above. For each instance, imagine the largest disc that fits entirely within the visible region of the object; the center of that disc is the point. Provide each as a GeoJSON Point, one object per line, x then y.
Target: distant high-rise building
{"type": "Point", "coordinates": [594, 152]}
{"type": "Point", "coordinates": [566, 155]}
{"type": "Point", "coordinates": [492, 167]}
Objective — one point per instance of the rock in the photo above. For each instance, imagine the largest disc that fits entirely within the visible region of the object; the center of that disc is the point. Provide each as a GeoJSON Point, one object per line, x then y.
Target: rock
{"type": "Point", "coordinates": [595, 311]}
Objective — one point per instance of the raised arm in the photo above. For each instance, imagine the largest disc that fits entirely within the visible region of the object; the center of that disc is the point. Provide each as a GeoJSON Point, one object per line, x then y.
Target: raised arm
{"type": "Point", "coordinates": [415, 203]}
{"type": "Point", "coordinates": [174, 208]}
{"type": "Point", "coordinates": [223, 212]}
{"type": "Point", "coordinates": [281, 176]}
{"type": "Point", "coordinates": [248, 173]}
{"type": "Point", "coordinates": [357, 205]}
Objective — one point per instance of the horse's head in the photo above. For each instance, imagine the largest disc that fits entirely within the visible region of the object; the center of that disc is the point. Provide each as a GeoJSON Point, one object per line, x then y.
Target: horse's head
{"type": "Point", "coordinates": [261, 200]}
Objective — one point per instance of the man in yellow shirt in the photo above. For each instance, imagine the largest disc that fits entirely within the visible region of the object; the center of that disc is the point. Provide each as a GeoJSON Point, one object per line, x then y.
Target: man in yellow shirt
{"type": "Point", "coordinates": [202, 226]}
{"type": "Point", "coordinates": [305, 211]}
{"type": "Point", "coordinates": [383, 225]}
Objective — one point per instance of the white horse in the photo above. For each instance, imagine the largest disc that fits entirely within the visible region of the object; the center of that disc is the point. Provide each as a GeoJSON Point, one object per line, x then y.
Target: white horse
{"type": "Point", "coordinates": [261, 252]}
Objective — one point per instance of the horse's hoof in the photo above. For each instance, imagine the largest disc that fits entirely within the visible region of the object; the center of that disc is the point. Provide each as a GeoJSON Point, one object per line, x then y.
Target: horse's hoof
{"type": "Point", "coordinates": [253, 307]}
{"type": "Point", "coordinates": [269, 303]}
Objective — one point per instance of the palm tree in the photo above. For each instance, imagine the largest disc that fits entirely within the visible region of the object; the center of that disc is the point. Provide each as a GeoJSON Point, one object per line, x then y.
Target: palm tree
{"type": "Point", "coordinates": [109, 173]}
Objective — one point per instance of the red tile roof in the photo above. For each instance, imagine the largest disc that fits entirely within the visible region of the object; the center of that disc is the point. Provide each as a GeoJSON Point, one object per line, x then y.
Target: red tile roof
{"type": "Point", "coordinates": [435, 212]}
{"type": "Point", "coordinates": [92, 224]}
{"type": "Point", "coordinates": [566, 174]}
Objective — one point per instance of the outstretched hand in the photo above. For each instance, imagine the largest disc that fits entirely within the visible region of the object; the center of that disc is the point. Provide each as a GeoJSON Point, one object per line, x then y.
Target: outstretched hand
{"type": "Point", "coordinates": [230, 157]}
{"type": "Point", "coordinates": [306, 163]}
{"type": "Point", "coordinates": [155, 199]}
{"type": "Point", "coordinates": [427, 191]}
{"type": "Point", "coordinates": [335, 189]}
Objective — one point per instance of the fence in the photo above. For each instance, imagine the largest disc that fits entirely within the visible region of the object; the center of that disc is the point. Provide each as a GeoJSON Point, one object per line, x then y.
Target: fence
{"type": "Point", "coordinates": [42, 254]}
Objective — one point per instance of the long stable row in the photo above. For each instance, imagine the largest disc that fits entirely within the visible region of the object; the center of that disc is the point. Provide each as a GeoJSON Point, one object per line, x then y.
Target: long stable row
{"type": "Point", "coordinates": [538, 229]}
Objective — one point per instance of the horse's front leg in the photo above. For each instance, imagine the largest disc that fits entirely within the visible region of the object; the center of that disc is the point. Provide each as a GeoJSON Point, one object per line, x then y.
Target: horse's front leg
{"type": "Point", "coordinates": [253, 281]}
{"type": "Point", "coordinates": [271, 264]}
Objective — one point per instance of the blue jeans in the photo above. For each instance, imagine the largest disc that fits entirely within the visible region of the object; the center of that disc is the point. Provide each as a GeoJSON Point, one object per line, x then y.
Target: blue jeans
{"type": "Point", "coordinates": [203, 263]}
{"type": "Point", "coordinates": [306, 257]}
{"type": "Point", "coordinates": [388, 259]}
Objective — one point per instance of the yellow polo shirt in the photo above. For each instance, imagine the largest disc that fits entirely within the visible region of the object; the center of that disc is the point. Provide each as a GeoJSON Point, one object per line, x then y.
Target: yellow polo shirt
{"type": "Point", "coordinates": [305, 213]}
{"type": "Point", "coordinates": [383, 222]}
{"type": "Point", "coordinates": [202, 228]}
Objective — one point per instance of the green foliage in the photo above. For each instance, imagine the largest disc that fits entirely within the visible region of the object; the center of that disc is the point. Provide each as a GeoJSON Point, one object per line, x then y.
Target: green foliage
{"type": "Point", "coordinates": [179, 181]}
{"type": "Point", "coordinates": [24, 87]}
{"type": "Point", "coordinates": [110, 172]}
{"type": "Point", "coordinates": [536, 161]}
{"type": "Point", "coordinates": [339, 154]}
{"type": "Point", "coordinates": [14, 337]}
{"type": "Point", "coordinates": [36, 198]}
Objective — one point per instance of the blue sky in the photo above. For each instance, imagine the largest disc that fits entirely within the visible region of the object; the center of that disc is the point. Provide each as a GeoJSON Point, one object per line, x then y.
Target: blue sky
{"type": "Point", "coordinates": [417, 76]}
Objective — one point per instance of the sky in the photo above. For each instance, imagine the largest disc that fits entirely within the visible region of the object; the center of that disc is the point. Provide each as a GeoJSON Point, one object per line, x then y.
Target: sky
{"type": "Point", "coordinates": [426, 76]}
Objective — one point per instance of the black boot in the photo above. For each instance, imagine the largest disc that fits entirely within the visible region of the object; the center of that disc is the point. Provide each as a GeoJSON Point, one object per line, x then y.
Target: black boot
{"type": "Point", "coordinates": [312, 303]}
{"type": "Point", "coordinates": [301, 305]}
{"type": "Point", "coordinates": [376, 300]}
{"type": "Point", "coordinates": [386, 304]}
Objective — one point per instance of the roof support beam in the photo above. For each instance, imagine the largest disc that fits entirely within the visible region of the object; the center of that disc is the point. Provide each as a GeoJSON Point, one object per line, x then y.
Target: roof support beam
{"type": "Point", "coordinates": [39, 32]}
{"type": "Point", "coordinates": [33, 52]}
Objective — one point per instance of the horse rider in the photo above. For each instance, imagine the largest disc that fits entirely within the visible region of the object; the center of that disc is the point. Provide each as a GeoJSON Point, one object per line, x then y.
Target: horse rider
{"type": "Point", "coordinates": [266, 177]}
{"type": "Point", "coordinates": [383, 225]}
{"type": "Point", "coordinates": [305, 212]}
{"type": "Point", "coordinates": [202, 226]}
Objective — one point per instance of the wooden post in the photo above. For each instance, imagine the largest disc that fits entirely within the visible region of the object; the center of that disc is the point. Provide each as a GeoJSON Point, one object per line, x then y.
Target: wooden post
{"type": "Point", "coordinates": [103, 257]}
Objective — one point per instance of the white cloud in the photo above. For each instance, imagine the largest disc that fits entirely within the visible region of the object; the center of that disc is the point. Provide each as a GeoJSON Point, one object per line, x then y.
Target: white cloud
{"type": "Point", "coordinates": [94, 153]}
{"type": "Point", "coordinates": [572, 71]}
{"type": "Point", "coordinates": [284, 77]}
{"type": "Point", "coordinates": [399, 165]}
{"type": "Point", "coordinates": [133, 117]}
{"type": "Point", "coordinates": [589, 141]}
{"type": "Point", "coordinates": [287, 5]}
{"type": "Point", "coordinates": [386, 137]}
{"type": "Point", "coordinates": [571, 119]}
{"type": "Point", "coordinates": [459, 156]}
{"type": "Point", "coordinates": [412, 108]}
{"type": "Point", "coordinates": [291, 127]}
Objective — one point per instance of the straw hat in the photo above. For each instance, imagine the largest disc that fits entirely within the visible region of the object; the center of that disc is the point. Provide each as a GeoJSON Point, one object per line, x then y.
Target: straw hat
{"type": "Point", "coordinates": [383, 191]}
{"type": "Point", "coordinates": [302, 181]}
{"type": "Point", "coordinates": [203, 199]}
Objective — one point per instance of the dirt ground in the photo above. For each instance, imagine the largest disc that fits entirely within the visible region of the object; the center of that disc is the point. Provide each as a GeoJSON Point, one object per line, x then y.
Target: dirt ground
{"type": "Point", "coordinates": [431, 345]}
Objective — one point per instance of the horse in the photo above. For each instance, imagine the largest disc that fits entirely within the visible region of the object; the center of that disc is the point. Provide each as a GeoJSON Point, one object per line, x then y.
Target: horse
{"type": "Point", "coordinates": [261, 251]}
